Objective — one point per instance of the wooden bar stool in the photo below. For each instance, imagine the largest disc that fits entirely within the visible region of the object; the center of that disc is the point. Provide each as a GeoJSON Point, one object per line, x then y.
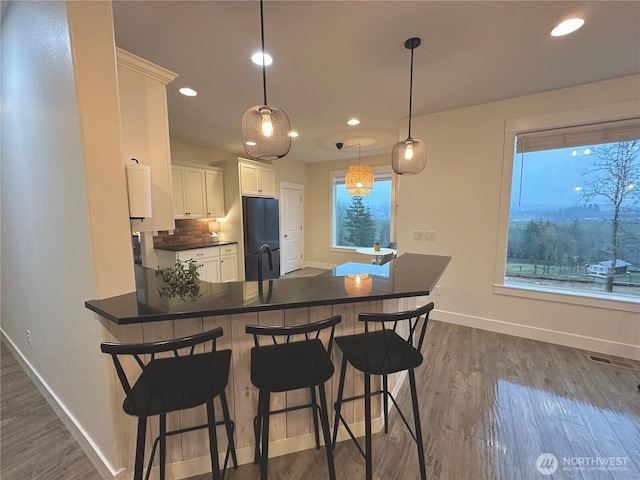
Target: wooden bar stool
{"type": "Point", "coordinates": [185, 379]}
{"type": "Point", "coordinates": [392, 349]}
{"type": "Point", "coordinates": [290, 365]}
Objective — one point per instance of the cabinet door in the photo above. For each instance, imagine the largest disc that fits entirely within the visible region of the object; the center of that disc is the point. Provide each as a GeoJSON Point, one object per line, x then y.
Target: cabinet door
{"type": "Point", "coordinates": [214, 189]}
{"type": "Point", "coordinates": [267, 185]}
{"type": "Point", "coordinates": [210, 269]}
{"type": "Point", "coordinates": [249, 179]}
{"type": "Point", "coordinates": [228, 268]}
{"type": "Point", "coordinates": [194, 198]}
{"type": "Point", "coordinates": [177, 192]}
{"type": "Point", "coordinates": [145, 131]}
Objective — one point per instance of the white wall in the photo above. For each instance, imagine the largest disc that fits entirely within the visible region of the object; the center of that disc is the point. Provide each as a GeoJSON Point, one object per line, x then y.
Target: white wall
{"type": "Point", "coordinates": [458, 196]}
{"type": "Point", "coordinates": [64, 219]}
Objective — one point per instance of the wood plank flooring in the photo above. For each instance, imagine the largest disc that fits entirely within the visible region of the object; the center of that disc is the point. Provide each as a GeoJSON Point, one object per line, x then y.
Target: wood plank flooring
{"type": "Point", "coordinates": [34, 444]}
{"type": "Point", "coordinates": [491, 404]}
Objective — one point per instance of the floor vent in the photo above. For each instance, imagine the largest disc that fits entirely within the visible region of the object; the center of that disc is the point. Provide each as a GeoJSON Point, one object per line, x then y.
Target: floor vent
{"type": "Point", "coordinates": [614, 361]}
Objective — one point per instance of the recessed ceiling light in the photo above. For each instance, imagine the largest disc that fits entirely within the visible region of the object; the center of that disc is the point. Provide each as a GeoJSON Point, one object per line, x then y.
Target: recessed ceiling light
{"type": "Point", "coordinates": [567, 27]}
{"type": "Point", "coordinates": [189, 92]}
{"type": "Point", "coordinates": [353, 121]}
{"type": "Point", "coordinates": [251, 144]}
{"type": "Point", "coordinates": [293, 134]}
{"type": "Point", "coordinates": [257, 59]}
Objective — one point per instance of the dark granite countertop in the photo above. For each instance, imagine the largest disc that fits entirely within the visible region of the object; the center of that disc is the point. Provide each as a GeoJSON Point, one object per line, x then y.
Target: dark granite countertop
{"type": "Point", "coordinates": [409, 275]}
{"type": "Point", "coordinates": [190, 246]}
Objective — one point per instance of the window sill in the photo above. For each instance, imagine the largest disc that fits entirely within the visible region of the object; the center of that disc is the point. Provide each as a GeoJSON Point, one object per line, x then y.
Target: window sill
{"type": "Point", "coordinates": [343, 249]}
{"type": "Point", "coordinates": [611, 302]}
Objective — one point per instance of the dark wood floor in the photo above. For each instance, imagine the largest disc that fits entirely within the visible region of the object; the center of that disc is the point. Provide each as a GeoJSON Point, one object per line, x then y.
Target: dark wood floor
{"type": "Point", "coordinates": [491, 405]}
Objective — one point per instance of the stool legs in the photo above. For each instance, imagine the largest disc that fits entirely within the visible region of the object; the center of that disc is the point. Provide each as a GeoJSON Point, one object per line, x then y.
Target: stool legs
{"type": "Point", "coordinates": [314, 407]}
{"type": "Point", "coordinates": [163, 445]}
{"type": "Point", "coordinates": [416, 417]}
{"type": "Point", "coordinates": [367, 427]}
{"type": "Point", "coordinates": [338, 405]}
{"type": "Point", "coordinates": [227, 423]}
{"type": "Point", "coordinates": [264, 444]}
{"type": "Point", "coordinates": [324, 418]}
{"type": "Point", "coordinates": [213, 441]}
{"type": "Point", "coordinates": [385, 399]}
{"type": "Point", "coordinates": [139, 462]}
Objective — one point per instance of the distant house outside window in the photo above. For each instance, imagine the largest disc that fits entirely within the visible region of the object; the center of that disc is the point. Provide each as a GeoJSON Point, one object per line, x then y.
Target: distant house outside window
{"type": "Point", "coordinates": [574, 210]}
{"type": "Point", "coordinates": [361, 221]}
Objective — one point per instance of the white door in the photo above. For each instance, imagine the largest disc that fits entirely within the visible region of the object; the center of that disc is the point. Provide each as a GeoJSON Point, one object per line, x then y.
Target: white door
{"type": "Point", "coordinates": [292, 215]}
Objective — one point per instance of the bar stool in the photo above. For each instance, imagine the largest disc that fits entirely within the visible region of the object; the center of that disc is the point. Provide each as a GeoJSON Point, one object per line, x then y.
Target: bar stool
{"type": "Point", "coordinates": [381, 352]}
{"type": "Point", "coordinates": [290, 365]}
{"type": "Point", "coordinates": [183, 380]}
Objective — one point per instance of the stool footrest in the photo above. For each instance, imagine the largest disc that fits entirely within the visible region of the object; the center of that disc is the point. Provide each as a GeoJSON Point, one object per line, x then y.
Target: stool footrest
{"type": "Point", "coordinates": [187, 430]}
{"type": "Point", "coordinates": [360, 397]}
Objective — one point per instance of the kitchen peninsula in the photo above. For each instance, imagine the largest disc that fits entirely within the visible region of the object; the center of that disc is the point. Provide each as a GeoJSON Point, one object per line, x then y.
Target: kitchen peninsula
{"type": "Point", "coordinates": [145, 316]}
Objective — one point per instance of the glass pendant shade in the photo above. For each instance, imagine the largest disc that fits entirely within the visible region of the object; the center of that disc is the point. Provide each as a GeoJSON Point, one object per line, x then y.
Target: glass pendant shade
{"type": "Point", "coordinates": [265, 132]}
{"type": "Point", "coordinates": [409, 157]}
{"type": "Point", "coordinates": [359, 180]}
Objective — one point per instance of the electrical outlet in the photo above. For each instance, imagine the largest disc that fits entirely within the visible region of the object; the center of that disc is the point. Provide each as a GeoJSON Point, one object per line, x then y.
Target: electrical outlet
{"type": "Point", "coordinates": [418, 235]}
{"type": "Point", "coordinates": [436, 291]}
{"type": "Point", "coordinates": [429, 235]}
{"type": "Point", "coordinates": [29, 338]}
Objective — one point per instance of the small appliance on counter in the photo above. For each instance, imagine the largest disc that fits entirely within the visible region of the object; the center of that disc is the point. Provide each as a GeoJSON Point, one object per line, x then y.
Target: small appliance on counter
{"type": "Point", "coordinates": [261, 227]}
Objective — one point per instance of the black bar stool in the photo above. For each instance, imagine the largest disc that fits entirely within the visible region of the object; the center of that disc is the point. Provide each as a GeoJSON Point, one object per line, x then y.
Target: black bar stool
{"type": "Point", "coordinates": [382, 352]}
{"type": "Point", "coordinates": [183, 380]}
{"type": "Point", "coordinates": [290, 365]}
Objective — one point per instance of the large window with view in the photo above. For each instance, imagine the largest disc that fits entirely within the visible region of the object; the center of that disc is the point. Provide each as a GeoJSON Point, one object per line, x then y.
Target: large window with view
{"type": "Point", "coordinates": [361, 221]}
{"type": "Point", "coordinates": [574, 217]}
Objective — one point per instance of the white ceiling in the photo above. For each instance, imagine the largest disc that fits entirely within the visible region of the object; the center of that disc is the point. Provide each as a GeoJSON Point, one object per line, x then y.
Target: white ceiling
{"type": "Point", "coordinates": [338, 59]}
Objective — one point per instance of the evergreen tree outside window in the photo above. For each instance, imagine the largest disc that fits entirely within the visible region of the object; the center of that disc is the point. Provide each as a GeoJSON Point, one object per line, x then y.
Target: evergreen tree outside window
{"type": "Point", "coordinates": [360, 221]}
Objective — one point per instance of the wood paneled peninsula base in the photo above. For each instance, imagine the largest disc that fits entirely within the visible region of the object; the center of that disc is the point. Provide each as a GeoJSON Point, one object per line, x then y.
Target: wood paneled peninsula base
{"type": "Point", "coordinates": [145, 316]}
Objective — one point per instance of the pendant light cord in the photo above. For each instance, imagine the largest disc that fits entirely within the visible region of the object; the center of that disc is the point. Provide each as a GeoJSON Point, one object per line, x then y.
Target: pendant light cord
{"type": "Point", "coordinates": [264, 68]}
{"type": "Point", "coordinates": [410, 91]}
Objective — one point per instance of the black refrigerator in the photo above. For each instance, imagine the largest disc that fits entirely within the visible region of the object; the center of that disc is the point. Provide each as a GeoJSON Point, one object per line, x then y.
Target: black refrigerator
{"type": "Point", "coordinates": [261, 226]}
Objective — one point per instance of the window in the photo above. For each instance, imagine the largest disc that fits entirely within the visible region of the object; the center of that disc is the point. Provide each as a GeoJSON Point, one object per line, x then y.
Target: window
{"type": "Point", "coordinates": [574, 211]}
{"type": "Point", "coordinates": [362, 221]}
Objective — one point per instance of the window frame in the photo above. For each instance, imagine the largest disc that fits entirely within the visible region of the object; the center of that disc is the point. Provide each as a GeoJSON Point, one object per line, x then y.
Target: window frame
{"type": "Point", "coordinates": [513, 127]}
{"type": "Point", "coordinates": [377, 170]}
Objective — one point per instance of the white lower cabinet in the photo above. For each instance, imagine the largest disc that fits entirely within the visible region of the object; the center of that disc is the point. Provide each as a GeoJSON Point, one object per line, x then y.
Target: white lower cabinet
{"type": "Point", "coordinates": [228, 263]}
{"type": "Point", "coordinates": [217, 264]}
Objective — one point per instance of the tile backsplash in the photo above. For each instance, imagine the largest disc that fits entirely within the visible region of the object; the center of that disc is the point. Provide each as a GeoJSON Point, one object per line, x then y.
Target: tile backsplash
{"type": "Point", "coordinates": [187, 231]}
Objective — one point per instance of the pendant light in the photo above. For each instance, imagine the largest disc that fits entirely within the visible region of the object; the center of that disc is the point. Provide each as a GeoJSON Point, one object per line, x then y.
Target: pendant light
{"type": "Point", "coordinates": [265, 129]}
{"type": "Point", "coordinates": [359, 179]}
{"type": "Point", "coordinates": [409, 156]}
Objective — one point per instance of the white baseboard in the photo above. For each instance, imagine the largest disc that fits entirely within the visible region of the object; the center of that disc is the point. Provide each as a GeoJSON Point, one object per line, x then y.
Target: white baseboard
{"type": "Point", "coordinates": [105, 470]}
{"type": "Point", "coordinates": [534, 333]}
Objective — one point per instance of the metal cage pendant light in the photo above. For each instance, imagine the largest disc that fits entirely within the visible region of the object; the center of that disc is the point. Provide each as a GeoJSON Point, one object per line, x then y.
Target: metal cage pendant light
{"type": "Point", "coordinates": [409, 156]}
{"type": "Point", "coordinates": [359, 179]}
{"type": "Point", "coordinates": [265, 129]}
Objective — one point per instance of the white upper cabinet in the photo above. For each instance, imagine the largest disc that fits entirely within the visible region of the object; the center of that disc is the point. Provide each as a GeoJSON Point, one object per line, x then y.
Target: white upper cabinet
{"type": "Point", "coordinates": [145, 131]}
{"type": "Point", "coordinates": [256, 179]}
{"type": "Point", "coordinates": [214, 192]}
{"type": "Point", "coordinates": [198, 192]}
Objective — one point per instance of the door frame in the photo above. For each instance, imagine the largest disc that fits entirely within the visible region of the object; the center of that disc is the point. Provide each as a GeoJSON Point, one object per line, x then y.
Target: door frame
{"type": "Point", "coordinates": [291, 186]}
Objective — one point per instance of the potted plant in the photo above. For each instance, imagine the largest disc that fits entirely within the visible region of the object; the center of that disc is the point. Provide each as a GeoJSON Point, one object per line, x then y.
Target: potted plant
{"type": "Point", "coordinates": [182, 279]}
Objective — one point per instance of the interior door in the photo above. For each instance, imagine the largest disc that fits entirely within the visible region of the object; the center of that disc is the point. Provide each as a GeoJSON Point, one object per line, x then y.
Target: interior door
{"type": "Point", "coordinates": [292, 215]}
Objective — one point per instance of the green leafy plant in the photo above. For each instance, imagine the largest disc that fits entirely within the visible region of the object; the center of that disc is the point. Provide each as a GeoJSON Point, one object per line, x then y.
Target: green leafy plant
{"type": "Point", "coordinates": [182, 279]}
